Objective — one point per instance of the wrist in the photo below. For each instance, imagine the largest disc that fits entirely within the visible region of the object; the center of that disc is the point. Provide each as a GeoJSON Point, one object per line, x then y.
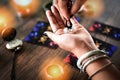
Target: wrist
{"type": "Point", "coordinates": [79, 52]}
{"type": "Point", "coordinates": [90, 57]}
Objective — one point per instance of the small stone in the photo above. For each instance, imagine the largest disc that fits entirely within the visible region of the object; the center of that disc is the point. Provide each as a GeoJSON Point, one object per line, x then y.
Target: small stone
{"type": "Point", "coordinates": [65, 30]}
{"type": "Point", "coordinates": [72, 30]}
{"type": "Point", "coordinates": [14, 44]}
{"type": "Point", "coordinates": [8, 34]}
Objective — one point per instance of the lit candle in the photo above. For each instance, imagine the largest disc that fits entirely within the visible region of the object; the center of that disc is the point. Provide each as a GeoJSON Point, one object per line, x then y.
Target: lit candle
{"type": "Point", "coordinates": [25, 8]}
{"type": "Point", "coordinates": [7, 18]}
{"type": "Point", "coordinates": [23, 2]}
{"type": "Point", "coordinates": [54, 71]}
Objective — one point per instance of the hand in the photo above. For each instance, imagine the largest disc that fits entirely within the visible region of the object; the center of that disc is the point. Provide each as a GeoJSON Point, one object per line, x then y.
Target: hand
{"type": "Point", "coordinates": [63, 5]}
{"type": "Point", "coordinates": [78, 42]}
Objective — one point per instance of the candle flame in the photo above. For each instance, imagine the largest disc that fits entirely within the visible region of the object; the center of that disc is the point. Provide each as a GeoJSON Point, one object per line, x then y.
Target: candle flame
{"type": "Point", "coordinates": [7, 18]}
{"type": "Point", "coordinates": [25, 8]}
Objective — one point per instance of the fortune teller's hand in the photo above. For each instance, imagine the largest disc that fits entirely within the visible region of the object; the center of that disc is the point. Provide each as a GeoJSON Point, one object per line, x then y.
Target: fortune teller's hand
{"type": "Point", "coordinates": [67, 8]}
{"type": "Point", "coordinates": [78, 41]}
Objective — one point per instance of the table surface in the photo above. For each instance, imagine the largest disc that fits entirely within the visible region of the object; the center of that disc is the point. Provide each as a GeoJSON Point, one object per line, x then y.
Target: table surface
{"type": "Point", "coordinates": [32, 60]}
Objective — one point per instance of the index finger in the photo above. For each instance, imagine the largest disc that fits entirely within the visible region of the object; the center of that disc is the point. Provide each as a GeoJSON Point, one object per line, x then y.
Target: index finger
{"type": "Point", "coordinates": [52, 20]}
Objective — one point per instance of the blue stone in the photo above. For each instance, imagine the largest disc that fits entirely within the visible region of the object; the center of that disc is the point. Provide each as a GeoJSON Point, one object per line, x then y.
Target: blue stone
{"type": "Point", "coordinates": [31, 34]}
{"type": "Point", "coordinates": [116, 35]}
{"type": "Point", "coordinates": [113, 48]}
{"type": "Point", "coordinates": [119, 35]}
{"type": "Point", "coordinates": [41, 24]}
{"type": "Point", "coordinates": [109, 53]}
{"type": "Point", "coordinates": [78, 19]}
{"type": "Point", "coordinates": [35, 29]}
{"type": "Point", "coordinates": [27, 38]}
{"type": "Point", "coordinates": [36, 34]}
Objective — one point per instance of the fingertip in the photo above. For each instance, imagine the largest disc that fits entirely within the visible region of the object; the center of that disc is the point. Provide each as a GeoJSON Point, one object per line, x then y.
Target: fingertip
{"type": "Point", "coordinates": [53, 9]}
{"type": "Point", "coordinates": [47, 11]}
{"type": "Point", "coordinates": [52, 36]}
{"type": "Point", "coordinates": [47, 32]}
{"type": "Point", "coordinates": [74, 21]}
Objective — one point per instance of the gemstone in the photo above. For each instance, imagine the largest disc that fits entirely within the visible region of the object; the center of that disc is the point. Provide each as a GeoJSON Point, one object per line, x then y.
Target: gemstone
{"type": "Point", "coordinates": [78, 19]}
{"type": "Point", "coordinates": [27, 38]}
{"type": "Point", "coordinates": [8, 34]}
{"type": "Point", "coordinates": [14, 44]}
{"type": "Point", "coordinates": [40, 24]}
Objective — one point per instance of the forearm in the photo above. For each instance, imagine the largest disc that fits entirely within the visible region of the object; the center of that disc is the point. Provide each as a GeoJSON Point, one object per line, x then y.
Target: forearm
{"type": "Point", "coordinates": [108, 73]}
{"type": "Point", "coordinates": [105, 70]}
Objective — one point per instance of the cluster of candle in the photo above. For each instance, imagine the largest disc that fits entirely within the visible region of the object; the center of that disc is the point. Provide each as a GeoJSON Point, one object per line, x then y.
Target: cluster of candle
{"type": "Point", "coordinates": [23, 8]}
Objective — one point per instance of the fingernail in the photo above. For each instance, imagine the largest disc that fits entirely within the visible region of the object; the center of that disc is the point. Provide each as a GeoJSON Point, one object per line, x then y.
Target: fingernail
{"type": "Point", "coordinates": [47, 11]}
{"type": "Point", "coordinates": [45, 34]}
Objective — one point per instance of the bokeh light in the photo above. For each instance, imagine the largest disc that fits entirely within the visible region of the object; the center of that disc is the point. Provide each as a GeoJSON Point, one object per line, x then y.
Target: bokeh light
{"type": "Point", "coordinates": [7, 18]}
{"type": "Point", "coordinates": [25, 8]}
{"type": "Point", "coordinates": [93, 8]}
{"type": "Point", "coordinates": [54, 71]}
{"type": "Point", "coordinates": [23, 2]}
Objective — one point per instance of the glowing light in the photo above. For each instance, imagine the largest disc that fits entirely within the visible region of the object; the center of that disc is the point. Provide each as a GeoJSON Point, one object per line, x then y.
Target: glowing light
{"type": "Point", "coordinates": [25, 8]}
{"type": "Point", "coordinates": [2, 21]}
{"type": "Point", "coordinates": [93, 8]}
{"type": "Point", "coordinates": [54, 71]}
{"type": "Point", "coordinates": [23, 2]}
{"type": "Point", "coordinates": [6, 18]}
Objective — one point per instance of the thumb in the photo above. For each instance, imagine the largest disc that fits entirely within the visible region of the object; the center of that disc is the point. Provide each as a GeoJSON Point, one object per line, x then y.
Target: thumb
{"type": "Point", "coordinates": [77, 5]}
{"type": "Point", "coordinates": [53, 37]}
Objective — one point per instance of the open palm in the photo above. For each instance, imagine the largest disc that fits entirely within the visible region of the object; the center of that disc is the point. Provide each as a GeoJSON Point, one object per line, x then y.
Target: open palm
{"type": "Point", "coordinates": [78, 42]}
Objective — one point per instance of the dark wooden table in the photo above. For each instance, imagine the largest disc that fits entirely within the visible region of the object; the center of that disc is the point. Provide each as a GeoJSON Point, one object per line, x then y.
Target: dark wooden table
{"type": "Point", "coordinates": [32, 61]}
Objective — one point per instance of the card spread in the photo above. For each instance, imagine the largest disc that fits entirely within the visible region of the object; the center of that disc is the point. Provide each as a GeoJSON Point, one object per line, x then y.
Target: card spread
{"type": "Point", "coordinates": [37, 36]}
{"type": "Point", "coordinates": [108, 48]}
{"type": "Point", "coordinates": [105, 29]}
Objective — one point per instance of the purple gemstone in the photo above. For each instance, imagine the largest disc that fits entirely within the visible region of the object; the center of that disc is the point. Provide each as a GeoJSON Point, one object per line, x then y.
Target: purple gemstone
{"type": "Point", "coordinates": [41, 24]}
{"type": "Point", "coordinates": [35, 29]}
{"type": "Point", "coordinates": [27, 39]}
{"type": "Point", "coordinates": [78, 19]}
